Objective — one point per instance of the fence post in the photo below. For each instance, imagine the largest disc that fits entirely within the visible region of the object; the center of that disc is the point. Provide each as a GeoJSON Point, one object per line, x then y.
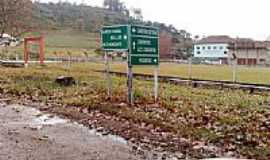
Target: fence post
{"type": "Point", "coordinates": [234, 70]}
{"type": "Point", "coordinates": [190, 68]}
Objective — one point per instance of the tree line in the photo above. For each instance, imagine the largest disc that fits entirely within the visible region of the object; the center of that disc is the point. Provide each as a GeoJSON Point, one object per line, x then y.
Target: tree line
{"type": "Point", "coordinates": [19, 16]}
{"type": "Point", "coordinates": [15, 16]}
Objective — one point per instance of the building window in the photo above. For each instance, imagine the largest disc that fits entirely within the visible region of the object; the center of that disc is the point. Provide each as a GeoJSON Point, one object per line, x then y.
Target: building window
{"type": "Point", "coordinates": [215, 47]}
{"type": "Point", "coordinates": [209, 47]}
{"type": "Point", "coordinates": [198, 52]}
{"type": "Point", "coordinates": [225, 52]}
{"type": "Point", "coordinates": [198, 48]}
{"type": "Point", "coordinates": [221, 48]}
{"type": "Point", "coordinates": [203, 48]}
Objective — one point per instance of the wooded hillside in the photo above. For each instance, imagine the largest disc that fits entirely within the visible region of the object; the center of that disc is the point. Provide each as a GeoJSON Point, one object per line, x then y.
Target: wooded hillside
{"type": "Point", "coordinates": [64, 15]}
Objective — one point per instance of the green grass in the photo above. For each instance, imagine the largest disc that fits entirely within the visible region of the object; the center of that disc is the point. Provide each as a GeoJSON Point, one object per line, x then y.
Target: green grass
{"type": "Point", "coordinates": [59, 43]}
{"type": "Point", "coordinates": [259, 75]}
{"type": "Point", "coordinates": [74, 41]}
{"type": "Point", "coordinates": [217, 117]}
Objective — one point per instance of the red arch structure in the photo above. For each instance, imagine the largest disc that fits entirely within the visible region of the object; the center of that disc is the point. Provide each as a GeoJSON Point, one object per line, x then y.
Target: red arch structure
{"type": "Point", "coordinates": [40, 42]}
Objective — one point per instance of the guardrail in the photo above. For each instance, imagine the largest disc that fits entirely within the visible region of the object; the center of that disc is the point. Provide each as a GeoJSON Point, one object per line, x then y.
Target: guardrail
{"type": "Point", "coordinates": [195, 83]}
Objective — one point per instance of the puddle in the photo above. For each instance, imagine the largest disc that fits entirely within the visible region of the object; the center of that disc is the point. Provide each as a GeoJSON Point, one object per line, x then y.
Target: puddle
{"type": "Point", "coordinates": [48, 120]}
{"type": "Point", "coordinates": [104, 137]}
{"type": "Point", "coordinates": [38, 120]}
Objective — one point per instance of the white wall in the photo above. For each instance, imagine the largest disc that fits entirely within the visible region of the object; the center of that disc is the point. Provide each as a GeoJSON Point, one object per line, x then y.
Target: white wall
{"type": "Point", "coordinates": [215, 50]}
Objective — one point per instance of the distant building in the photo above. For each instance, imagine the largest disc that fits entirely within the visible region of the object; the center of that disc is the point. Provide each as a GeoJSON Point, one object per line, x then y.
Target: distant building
{"type": "Point", "coordinates": [214, 48]}
{"type": "Point", "coordinates": [249, 52]}
{"type": "Point", "coordinates": [222, 49]}
{"type": "Point", "coordinates": [7, 40]}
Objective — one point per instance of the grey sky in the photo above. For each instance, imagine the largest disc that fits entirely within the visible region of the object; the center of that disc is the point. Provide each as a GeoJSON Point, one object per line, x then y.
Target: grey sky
{"type": "Point", "coordinates": [243, 18]}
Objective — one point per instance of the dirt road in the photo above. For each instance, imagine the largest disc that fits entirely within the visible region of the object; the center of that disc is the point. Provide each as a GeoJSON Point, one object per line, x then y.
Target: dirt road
{"type": "Point", "coordinates": [27, 134]}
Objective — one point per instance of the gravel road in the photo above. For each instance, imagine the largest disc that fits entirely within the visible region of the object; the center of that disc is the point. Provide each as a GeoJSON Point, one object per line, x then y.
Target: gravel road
{"type": "Point", "coordinates": [27, 134]}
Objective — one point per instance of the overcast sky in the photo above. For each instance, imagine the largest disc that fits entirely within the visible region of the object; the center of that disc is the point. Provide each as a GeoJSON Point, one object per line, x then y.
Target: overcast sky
{"type": "Point", "coordinates": [242, 18]}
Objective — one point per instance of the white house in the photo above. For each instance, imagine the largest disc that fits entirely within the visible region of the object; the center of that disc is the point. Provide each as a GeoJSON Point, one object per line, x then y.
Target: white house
{"type": "Point", "coordinates": [213, 47]}
{"type": "Point", "coordinates": [8, 40]}
{"type": "Point", "coordinates": [220, 49]}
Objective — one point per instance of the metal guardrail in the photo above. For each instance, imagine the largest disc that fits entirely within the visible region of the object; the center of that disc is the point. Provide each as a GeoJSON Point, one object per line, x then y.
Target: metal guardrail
{"type": "Point", "coordinates": [251, 87]}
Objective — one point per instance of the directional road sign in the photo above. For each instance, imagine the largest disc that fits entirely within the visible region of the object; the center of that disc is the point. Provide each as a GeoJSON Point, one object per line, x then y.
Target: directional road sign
{"type": "Point", "coordinates": [144, 47]}
{"type": "Point", "coordinates": [141, 42]}
{"type": "Point", "coordinates": [115, 38]}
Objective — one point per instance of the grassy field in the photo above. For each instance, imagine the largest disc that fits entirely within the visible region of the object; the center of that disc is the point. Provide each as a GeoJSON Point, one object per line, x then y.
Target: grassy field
{"type": "Point", "coordinates": [233, 120]}
{"type": "Point", "coordinates": [59, 42]}
{"type": "Point", "coordinates": [259, 75]}
{"type": "Point", "coordinates": [74, 41]}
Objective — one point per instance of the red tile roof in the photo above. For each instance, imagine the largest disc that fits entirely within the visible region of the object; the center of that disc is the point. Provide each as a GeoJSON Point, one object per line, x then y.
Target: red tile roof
{"type": "Point", "coordinates": [216, 39]}
{"type": "Point", "coordinates": [240, 43]}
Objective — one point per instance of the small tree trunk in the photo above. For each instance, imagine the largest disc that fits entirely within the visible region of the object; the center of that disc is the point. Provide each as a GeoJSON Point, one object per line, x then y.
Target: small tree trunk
{"type": "Point", "coordinates": [2, 33]}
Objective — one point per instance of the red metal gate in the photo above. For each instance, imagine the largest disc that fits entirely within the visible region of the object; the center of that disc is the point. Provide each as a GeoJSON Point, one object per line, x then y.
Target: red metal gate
{"type": "Point", "coordinates": [40, 42]}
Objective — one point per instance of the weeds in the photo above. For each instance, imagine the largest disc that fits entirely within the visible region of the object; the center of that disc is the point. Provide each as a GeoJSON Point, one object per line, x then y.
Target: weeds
{"type": "Point", "coordinates": [221, 117]}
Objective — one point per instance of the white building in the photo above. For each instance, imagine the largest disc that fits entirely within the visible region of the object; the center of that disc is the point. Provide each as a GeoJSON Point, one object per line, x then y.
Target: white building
{"type": "Point", "coordinates": [7, 40]}
{"type": "Point", "coordinates": [213, 47]}
{"type": "Point", "coordinates": [220, 50]}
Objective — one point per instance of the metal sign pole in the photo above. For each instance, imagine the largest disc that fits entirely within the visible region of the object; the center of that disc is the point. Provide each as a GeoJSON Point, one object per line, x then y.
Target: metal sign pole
{"type": "Point", "coordinates": [109, 80]}
{"type": "Point", "coordinates": [130, 85]}
{"type": "Point", "coordinates": [156, 71]}
{"type": "Point", "coordinates": [141, 42]}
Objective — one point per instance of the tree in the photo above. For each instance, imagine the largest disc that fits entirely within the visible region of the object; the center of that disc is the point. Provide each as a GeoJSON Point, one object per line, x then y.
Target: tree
{"type": "Point", "coordinates": [115, 5]}
{"type": "Point", "coordinates": [137, 13]}
{"type": "Point", "coordinates": [15, 16]}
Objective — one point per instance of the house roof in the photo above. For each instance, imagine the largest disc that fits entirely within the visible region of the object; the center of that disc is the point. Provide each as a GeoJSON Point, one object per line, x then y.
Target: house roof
{"type": "Point", "coordinates": [216, 39]}
{"type": "Point", "coordinates": [239, 43]}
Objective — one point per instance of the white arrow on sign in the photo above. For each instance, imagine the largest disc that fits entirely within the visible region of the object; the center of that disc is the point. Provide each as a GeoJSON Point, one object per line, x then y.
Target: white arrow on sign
{"type": "Point", "coordinates": [134, 45]}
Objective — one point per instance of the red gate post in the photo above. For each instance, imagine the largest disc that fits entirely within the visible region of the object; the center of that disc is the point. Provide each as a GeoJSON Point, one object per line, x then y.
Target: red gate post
{"type": "Point", "coordinates": [41, 50]}
{"type": "Point", "coordinates": [26, 56]}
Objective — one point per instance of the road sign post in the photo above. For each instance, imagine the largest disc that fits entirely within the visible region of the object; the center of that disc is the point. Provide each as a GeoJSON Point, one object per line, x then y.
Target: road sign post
{"type": "Point", "coordinates": [130, 86]}
{"type": "Point", "coordinates": [156, 83]}
{"type": "Point", "coordinates": [114, 38]}
{"type": "Point", "coordinates": [108, 77]}
{"type": "Point", "coordinates": [144, 50]}
{"type": "Point", "coordinates": [142, 45]}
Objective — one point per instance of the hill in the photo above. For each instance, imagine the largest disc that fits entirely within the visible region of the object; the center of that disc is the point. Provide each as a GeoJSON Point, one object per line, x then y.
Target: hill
{"type": "Point", "coordinates": [72, 27]}
{"type": "Point", "coordinates": [78, 17]}
{"type": "Point", "coordinates": [64, 15]}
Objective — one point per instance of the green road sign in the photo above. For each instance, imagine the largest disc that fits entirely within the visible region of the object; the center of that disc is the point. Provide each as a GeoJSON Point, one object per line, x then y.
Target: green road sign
{"type": "Point", "coordinates": [144, 31]}
{"type": "Point", "coordinates": [141, 42]}
{"type": "Point", "coordinates": [144, 47]}
{"type": "Point", "coordinates": [115, 38]}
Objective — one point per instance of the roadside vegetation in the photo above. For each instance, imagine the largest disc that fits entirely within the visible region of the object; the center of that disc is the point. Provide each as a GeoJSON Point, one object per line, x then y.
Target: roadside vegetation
{"type": "Point", "coordinates": [58, 43]}
{"type": "Point", "coordinates": [260, 75]}
{"type": "Point", "coordinates": [202, 122]}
